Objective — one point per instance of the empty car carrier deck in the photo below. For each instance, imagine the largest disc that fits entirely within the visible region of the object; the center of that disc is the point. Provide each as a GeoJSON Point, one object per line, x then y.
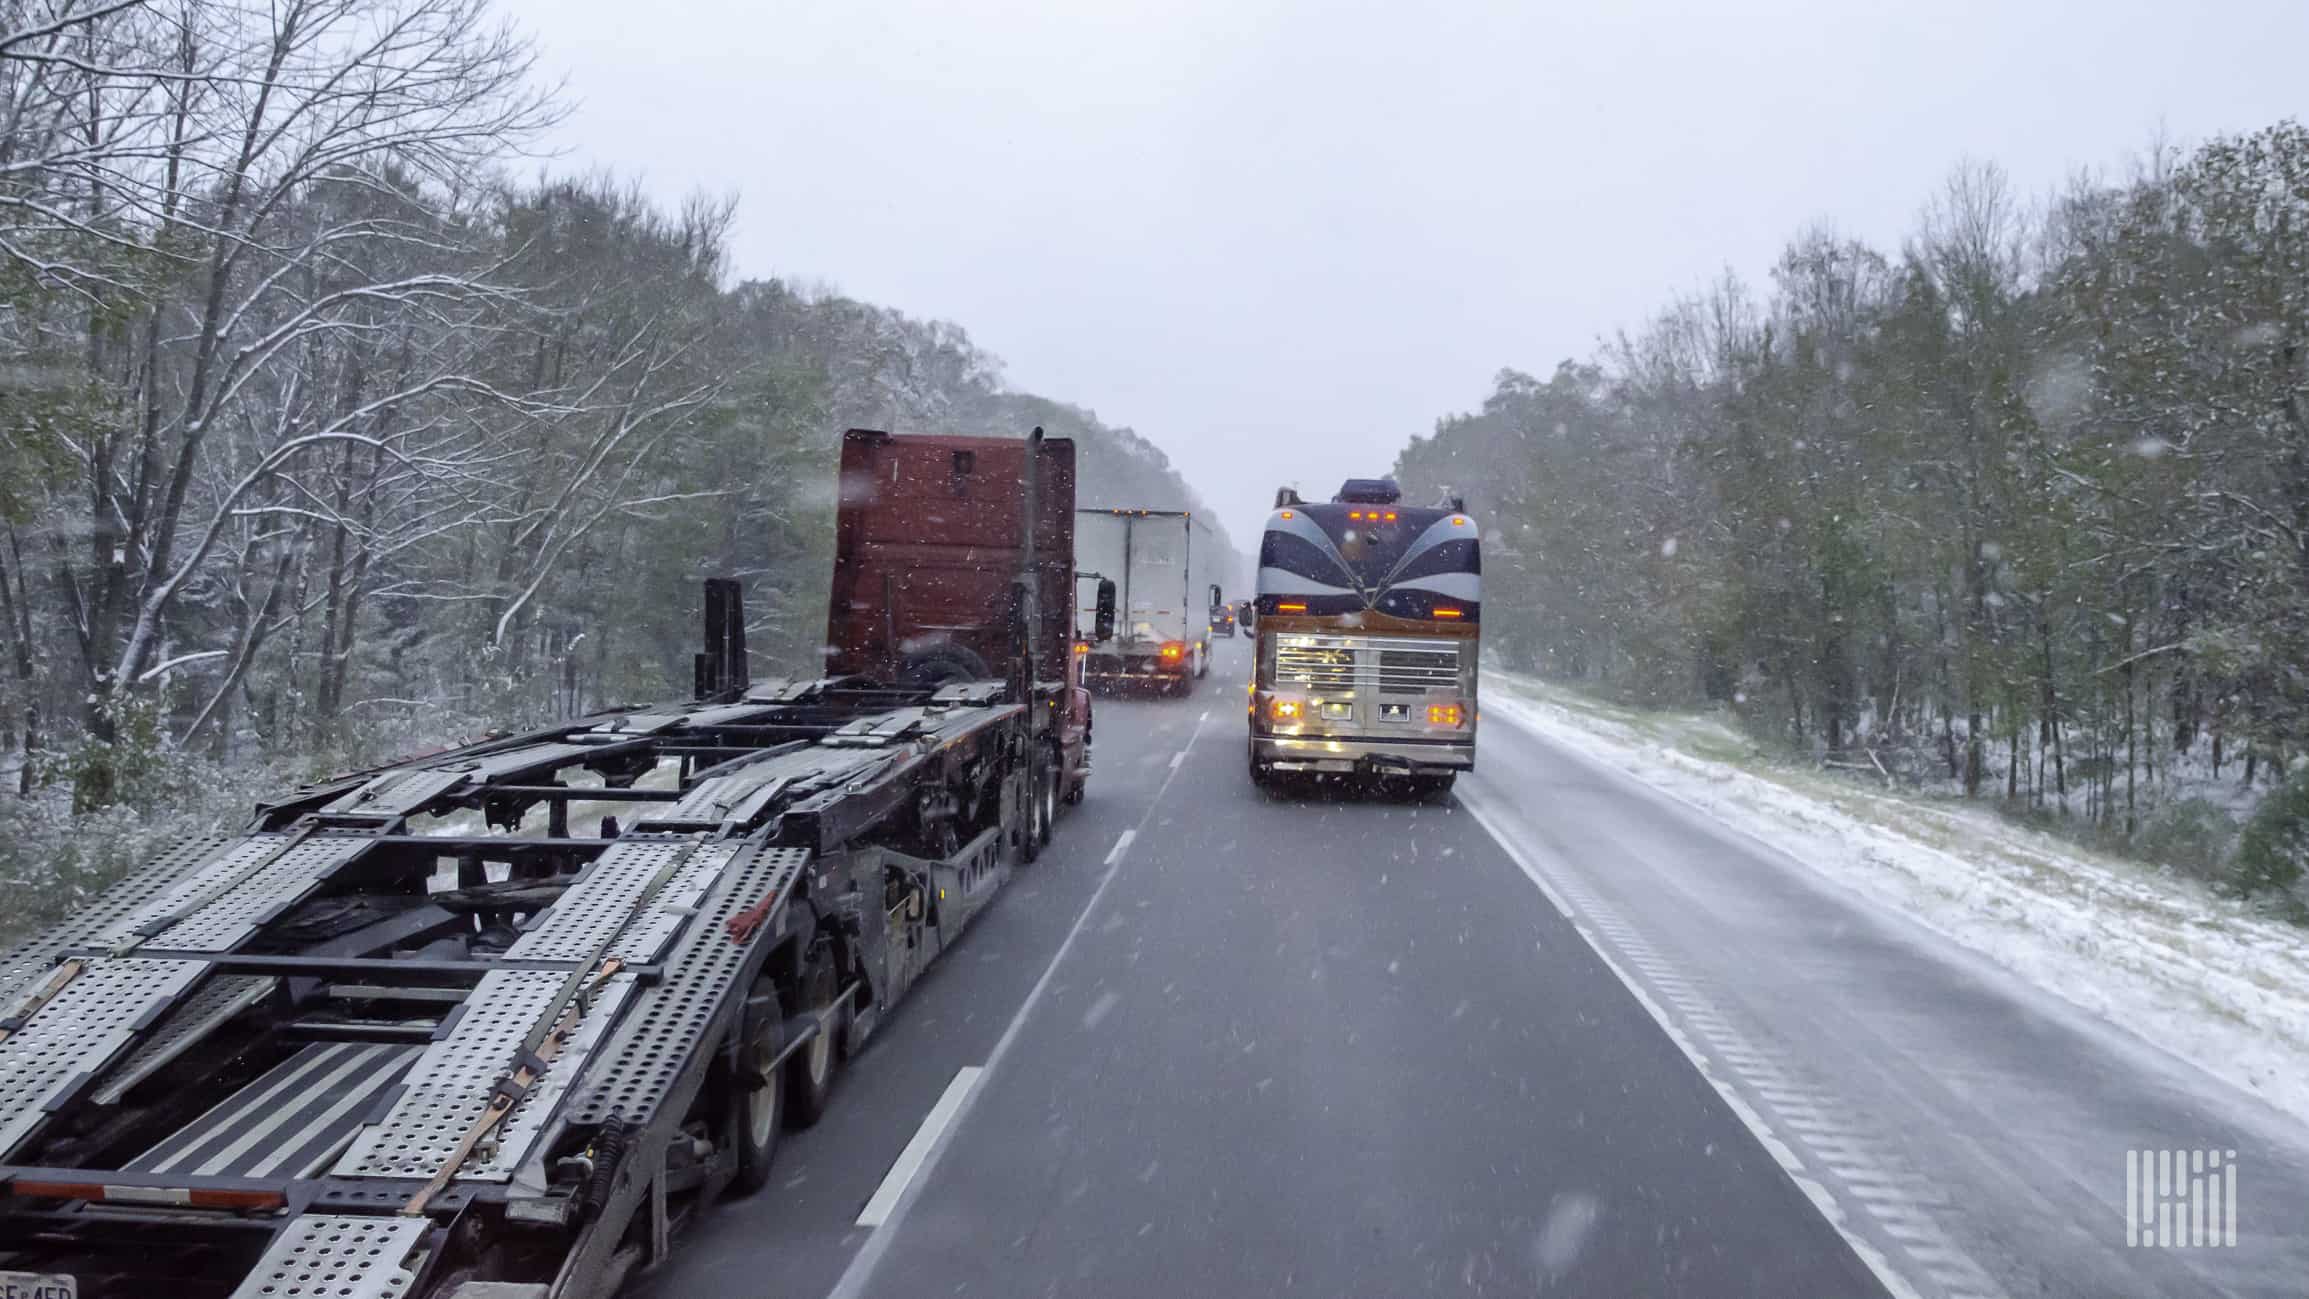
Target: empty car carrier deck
{"type": "Point", "coordinates": [362, 1051]}
{"type": "Point", "coordinates": [375, 1067]}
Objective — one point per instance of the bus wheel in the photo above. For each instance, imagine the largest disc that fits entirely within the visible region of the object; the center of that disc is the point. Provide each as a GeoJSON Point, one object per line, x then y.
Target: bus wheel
{"type": "Point", "coordinates": [1432, 788]}
{"type": "Point", "coordinates": [1263, 777]}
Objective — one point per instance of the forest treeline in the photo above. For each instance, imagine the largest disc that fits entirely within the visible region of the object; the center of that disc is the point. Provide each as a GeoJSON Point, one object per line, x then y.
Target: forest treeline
{"type": "Point", "coordinates": [321, 431]}
{"type": "Point", "coordinates": [2021, 507]}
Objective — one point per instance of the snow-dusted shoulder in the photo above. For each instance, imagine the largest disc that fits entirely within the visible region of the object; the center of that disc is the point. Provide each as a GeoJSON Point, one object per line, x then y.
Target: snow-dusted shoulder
{"type": "Point", "coordinates": [2163, 957]}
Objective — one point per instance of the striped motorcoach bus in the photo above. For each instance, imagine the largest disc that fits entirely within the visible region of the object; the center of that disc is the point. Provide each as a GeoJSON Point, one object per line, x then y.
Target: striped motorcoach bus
{"type": "Point", "coordinates": [1368, 620]}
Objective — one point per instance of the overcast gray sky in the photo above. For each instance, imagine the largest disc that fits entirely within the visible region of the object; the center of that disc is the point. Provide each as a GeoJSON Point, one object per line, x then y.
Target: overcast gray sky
{"type": "Point", "coordinates": [1280, 238]}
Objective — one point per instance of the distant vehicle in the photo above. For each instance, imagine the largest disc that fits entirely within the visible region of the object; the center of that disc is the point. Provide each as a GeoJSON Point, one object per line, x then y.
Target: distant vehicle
{"type": "Point", "coordinates": [1223, 620]}
{"type": "Point", "coordinates": [1163, 562]}
{"type": "Point", "coordinates": [1367, 624]}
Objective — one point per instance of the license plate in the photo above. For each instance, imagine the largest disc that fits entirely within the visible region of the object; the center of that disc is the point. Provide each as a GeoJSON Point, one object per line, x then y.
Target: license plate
{"type": "Point", "coordinates": [37, 1285]}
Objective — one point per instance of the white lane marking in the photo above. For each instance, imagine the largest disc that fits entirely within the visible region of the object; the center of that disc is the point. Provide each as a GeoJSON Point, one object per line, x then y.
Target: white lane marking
{"type": "Point", "coordinates": [1177, 758]}
{"type": "Point", "coordinates": [1500, 836]}
{"type": "Point", "coordinates": [917, 1151]}
{"type": "Point", "coordinates": [1782, 1153]}
{"type": "Point", "coordinates": [855, 1277]}
{"type": "Point", "coordinates": [1121, 846]}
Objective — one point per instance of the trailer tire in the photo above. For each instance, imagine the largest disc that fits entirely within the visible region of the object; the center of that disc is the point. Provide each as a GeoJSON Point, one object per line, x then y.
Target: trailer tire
{"type": "Point", "coordinates": [1047, 798]}
{"type": "Point", "coordinates": [814, 1069]}
{"type": "Point", "coordinates": [1029, 836]}
{"type": "Point", "coordinates": [760, 1104]}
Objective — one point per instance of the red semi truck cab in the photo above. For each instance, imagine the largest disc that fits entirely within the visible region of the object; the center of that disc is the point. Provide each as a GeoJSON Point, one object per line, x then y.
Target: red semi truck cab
{"type": "Point", "coordinates": [931, 539]}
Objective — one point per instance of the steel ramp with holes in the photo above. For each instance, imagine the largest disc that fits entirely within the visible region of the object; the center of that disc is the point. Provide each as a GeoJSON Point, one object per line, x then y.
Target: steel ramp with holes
{"type": "Point", "coordinates": [449, 1086]}
{"type": "Point", "coordinates": [92, 1018]}
{"type": "Point", "coordinates": [316, 1257]}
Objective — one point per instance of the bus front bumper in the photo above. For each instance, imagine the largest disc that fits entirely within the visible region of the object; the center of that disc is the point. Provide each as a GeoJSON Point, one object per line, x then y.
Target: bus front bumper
{"type": "Point", "coordinates": [1402, 756]}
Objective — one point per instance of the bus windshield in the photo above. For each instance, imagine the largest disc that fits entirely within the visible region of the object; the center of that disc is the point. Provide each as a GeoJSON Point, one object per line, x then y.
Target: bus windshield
{"type": "Point", "coordinates": [1337, 558]}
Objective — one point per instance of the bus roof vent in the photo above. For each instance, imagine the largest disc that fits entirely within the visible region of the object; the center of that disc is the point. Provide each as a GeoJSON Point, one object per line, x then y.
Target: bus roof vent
{"type": "Point", "coordinates": [1368, 491]}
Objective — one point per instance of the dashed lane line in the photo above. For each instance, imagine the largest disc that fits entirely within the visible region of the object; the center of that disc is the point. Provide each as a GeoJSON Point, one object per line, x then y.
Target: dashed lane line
{"type": "Point", "coordinates": [860, 1273]}
{"type": "Point", "coordinates": [910, 1160]}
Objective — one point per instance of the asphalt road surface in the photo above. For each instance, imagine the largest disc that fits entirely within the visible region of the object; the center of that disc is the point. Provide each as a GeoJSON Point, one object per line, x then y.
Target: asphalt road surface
{"type": "Point", "coordinates": [1554, 1035]}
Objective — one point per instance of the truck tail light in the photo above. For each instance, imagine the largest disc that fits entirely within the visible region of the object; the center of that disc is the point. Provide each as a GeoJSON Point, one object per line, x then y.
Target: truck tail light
{"type": "Point", "coordinates": [1174, 650]}
{"type": "Point", "coordinates": [1444, 714]}
{"type": "Point", "coordinates": [1284, 710]}
{"type": "Point", "coordinates": [1082, 647]}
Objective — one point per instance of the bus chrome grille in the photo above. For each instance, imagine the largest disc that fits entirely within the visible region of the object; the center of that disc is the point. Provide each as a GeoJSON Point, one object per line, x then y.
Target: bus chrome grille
{"type": "Point", "coordinates": [1413, 672]}
{"type": "Point", "coordinates": [1389, 665]}
{"type": "Point", "coordinates": [1320, 666]}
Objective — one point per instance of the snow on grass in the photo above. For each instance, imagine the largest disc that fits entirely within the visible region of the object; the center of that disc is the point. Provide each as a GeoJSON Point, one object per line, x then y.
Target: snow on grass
{"type": "Point", "coordinates": [2208, 978]}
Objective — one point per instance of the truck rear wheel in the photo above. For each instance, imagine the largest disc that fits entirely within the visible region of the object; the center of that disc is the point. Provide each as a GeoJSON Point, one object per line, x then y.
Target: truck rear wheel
{"type": "Point", "coordinates": [812, 1069]}
{"type": "Point", "coordinates": [1047, 797]}
{"type": "Point", "coordinates": [759, 1097]}
{"type": "Point", "coordinates": [1031, 834]}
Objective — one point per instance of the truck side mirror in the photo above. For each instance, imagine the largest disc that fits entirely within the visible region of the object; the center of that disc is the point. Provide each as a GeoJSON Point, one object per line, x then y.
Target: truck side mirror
{"type": "Point", "coordinates": [1102, 626]}
{"type": "Point", "coordinates": [1217, 601]}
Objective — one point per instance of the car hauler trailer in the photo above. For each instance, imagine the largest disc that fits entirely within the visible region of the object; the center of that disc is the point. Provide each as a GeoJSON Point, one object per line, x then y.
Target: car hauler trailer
{"type": "Point", "coordinates": [369, 1050]}
{"type": "Point", "coordinates": [1168, 565]}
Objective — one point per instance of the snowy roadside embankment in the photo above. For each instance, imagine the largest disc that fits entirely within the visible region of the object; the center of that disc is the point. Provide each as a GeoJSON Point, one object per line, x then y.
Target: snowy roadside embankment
{"type": "Point", "coordinates": [2202, 976]}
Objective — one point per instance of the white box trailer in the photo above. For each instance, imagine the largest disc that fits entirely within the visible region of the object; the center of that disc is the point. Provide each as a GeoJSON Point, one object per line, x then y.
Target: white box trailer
{"type": "Point", "coordinates": [1169, 569]}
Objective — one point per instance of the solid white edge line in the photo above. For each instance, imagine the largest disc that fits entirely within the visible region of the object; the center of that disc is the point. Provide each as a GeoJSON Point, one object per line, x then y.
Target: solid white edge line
{"type": "Point", "coordinates": [1121, 846]}
{"type": "Point", "coordinates": [1833, 1213]}
{"type": "Point", "coordinates": [1177, 758]}
{"type": "Point", "coordinates": [855, 1277]}
{"type": "Point", "coordinates": [1500, 836]}
{"type": "Point", "coordinates": [909, 1162]}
